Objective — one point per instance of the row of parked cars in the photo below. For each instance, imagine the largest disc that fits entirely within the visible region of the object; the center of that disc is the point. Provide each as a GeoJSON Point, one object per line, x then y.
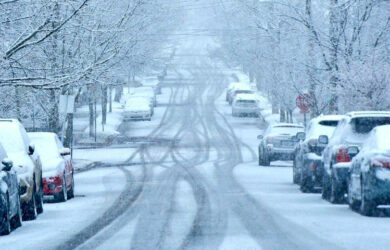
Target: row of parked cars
{"type": "Point", "coordinates": [139, 103]}
{"type": "Point", "coordinates": [347, 157]}
{"type": "Point", "coordinates": [33, 165]}
{"type": "Point", "coordinates": [243, 99]}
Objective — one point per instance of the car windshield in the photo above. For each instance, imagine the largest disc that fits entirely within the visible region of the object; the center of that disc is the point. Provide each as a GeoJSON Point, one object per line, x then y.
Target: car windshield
{"type": "Point", "coordinates": [246, 102]}
{"type": "Point", "coordinates": [46, 146]}
{"type": "Point", "coordinates": [11, 138]}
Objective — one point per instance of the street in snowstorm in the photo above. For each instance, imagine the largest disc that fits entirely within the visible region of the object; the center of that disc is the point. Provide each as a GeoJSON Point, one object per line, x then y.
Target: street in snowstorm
{"type": "Point", "coordinates": [195, 125]}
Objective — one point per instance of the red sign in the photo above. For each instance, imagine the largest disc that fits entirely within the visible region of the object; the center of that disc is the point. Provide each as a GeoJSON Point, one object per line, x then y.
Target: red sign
{"type": "Point", "coordinates": [303, 103]}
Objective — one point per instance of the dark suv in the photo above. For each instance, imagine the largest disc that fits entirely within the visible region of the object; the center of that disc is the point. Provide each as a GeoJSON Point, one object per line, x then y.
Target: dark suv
{"type": "Point", "coordinates": [352, 130]}
{"type": "Point", "coordinates": [307, 167]}
{"type": "Point", "coordinates": [278, 142]}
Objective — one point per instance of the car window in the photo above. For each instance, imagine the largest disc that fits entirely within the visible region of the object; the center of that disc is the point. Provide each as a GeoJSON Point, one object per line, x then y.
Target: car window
{"type": "Point", "coordinates": [363, 125]}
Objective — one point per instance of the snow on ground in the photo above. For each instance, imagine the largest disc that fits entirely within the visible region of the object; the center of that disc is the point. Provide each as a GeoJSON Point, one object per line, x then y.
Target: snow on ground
{"type": "Point", "coordinates": [97, 188]}
{"type": "Point", "coordinates": [272, 186]}
{"type": "Point", "coordinates": [103, 155]}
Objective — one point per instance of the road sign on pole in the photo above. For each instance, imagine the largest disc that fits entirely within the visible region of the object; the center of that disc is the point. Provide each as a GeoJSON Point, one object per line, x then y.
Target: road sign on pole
{"type": "Point", "coordinates": [303, 102]}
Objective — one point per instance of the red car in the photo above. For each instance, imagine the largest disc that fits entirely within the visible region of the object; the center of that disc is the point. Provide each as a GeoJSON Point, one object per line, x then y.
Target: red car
{"type": "Point", "coordinates": [57, 168]}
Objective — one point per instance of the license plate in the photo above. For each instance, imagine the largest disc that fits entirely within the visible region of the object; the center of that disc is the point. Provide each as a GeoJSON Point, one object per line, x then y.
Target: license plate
{"type": "Point", "coordinates": [287, 144]}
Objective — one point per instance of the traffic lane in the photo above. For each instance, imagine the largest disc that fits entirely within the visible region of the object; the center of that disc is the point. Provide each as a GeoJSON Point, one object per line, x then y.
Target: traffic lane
{"type": "Point", "coordinates": [95, 191]}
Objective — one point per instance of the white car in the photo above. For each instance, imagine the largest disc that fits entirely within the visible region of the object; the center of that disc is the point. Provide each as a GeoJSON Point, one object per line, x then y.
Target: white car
{"type": "Point", "coordinates": [245, 105]}
{"type": "Point", "coordinates": [27, 165]}
{"type": "Point", "coordinates": [146, 92]}
{"type": "Point", "coordinates": [240, 89]}
{"type": "Point", "coordinates": [152, 81]}
{"type": "Point", "coordinates": [137, 108]}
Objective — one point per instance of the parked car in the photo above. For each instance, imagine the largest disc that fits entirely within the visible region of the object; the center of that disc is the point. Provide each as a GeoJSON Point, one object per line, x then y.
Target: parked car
{"type": "Point", "coordinates": [137, 108]}
{"type": "Point", "coordinates": [278, 142]}
{"type": "Point", "coordinates": [154, 82]}
{"type": "Point", "coordinates": [369, 175]}
{"type": "Point", "coordinates": [352, 130]}
{"type": "Point", "coordinates": [10, 208]}
{"type": "Point", "coordinates": [244, 89]}
{"type": "Point", "coordinates": [307, 167]}
{"type": "Point", "coordinates": [146, 92]}
{"type": "Point", "coordinates": [245, 105]}
{"type": "Point", "coordinates": [230, 88]}
{"type": "Point", "coordinates": [57, 166]}
{"type": "Point", "coordinates": [27, 164]}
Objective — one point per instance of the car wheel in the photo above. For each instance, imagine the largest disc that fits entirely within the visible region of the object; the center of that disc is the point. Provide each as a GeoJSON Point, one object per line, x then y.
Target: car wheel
{"type": "Point", "coordinates": [336, 196]}
{"type": "Point", "coordinates": [306, 184]}
{"type": "Point", "coordinates": [5, 228]}
{"type": "Point", "coordinates": [63, 195]}
{"type": "Point", "coordinates": [352, 202]}
{"type": "Point", "coordinates": [30, 209]}
{"type": "Point", "coordinates": [71, 190]}
{"type": "Point", "coordinates": [367, 206]}
{"type": "Point", "coordinates": [325, 187]}
{"type": "Point", "coordinates": [39, 199]}
{"type": "Point", "coordinates": [17, 219]}
{"type": "Point", "coordinates": [295, 175]}
{"type": "Point", "coordinates": [266, 162]}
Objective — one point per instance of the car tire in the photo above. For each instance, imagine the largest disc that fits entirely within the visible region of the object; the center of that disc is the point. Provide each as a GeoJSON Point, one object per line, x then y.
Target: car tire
{"type": "Point", "coordinates": [295, 175]}
{"type": "Point", "coordinates": [63, 195]}
{"type": "Point", "coordinates": [17, 219]}
{"type": "Point", "coordinates": [261, 162]}
{"type": "Point", "coordinates": [5, 228]}
{"type": "Point", "coordinates": [266, 162]}
{"type": "Point", "coordinates": [30, 209]}
{"type": "Point", "coordinates": [336, 196]}
{"type": "Point", "coordinates": [352, 202]}
{"type": "Point", "coordinates": [39, 200]}
{"type": "Point", "coordinates": [306, 184]}
{"type": "Point", "coordinates": [367, 206]}
{"type": "Point", "coordinates": [71, 190]}
{"type": "Point", "coordinates": [325, 187]}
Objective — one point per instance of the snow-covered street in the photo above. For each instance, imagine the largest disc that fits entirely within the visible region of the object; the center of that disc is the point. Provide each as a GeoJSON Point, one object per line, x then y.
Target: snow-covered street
{"type": "Point", "coordinates": [188, 176]}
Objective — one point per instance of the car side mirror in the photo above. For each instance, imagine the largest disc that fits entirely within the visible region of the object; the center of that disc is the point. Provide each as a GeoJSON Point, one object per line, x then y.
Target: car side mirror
{"type": "Point", "coordinates": [31, 149]}
{"type": "Point", "coordinates": [301, 136]}
{"type": "Point", "coordinates": [352, 151]}
{"type": "Point", "coordinates": [260, 137]}
{"type": "Point", "coordinates": [7, 164]}
{"type": "Point", "coordinates": [323, 139]}
{"type": "Point", "coordinates": [65, 151]}
{"type": "Point", "coordinates": [295, 138]}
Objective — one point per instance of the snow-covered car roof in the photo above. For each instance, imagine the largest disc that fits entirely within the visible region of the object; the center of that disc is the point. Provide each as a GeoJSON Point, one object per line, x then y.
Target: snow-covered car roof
{"type": "Point", "coordinates": [293, 125]}
{"type": "Point", "coordinates": [328, 118]}
{"type": "Point", "coordinates": [251, 97]}
{"type": "Point", "coordinates": [368, 113]}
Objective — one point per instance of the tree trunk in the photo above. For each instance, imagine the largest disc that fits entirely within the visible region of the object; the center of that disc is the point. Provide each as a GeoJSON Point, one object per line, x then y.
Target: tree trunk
{"type": "Point", "coordinates": [334, 32]}
{"type": "Point", "coordinates": [104, 104]}
{"type": "Point", "coordinates": [310, 61]}
{"type": "Point", "coordinates": [110, 99]}
{"type": "Point", "coordinates": [53, 113]}
{"type": "Point", "coordinates": [118, 93]}
{"type": "Point", "coordinates": [91, 115]}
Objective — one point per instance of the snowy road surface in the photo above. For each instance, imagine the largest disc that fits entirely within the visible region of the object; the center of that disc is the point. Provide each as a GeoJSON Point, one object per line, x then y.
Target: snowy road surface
{"type": "Point", "coordinates": [194, 184]}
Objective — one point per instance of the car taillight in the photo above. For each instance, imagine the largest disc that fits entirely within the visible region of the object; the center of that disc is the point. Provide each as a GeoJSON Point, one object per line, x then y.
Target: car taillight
{"type": "Point", "coordinates": [56, 180]}
{"type": "Point", "coordinates": [380, 163]}
{"type": "Point", "coordinates": [342, 155]}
